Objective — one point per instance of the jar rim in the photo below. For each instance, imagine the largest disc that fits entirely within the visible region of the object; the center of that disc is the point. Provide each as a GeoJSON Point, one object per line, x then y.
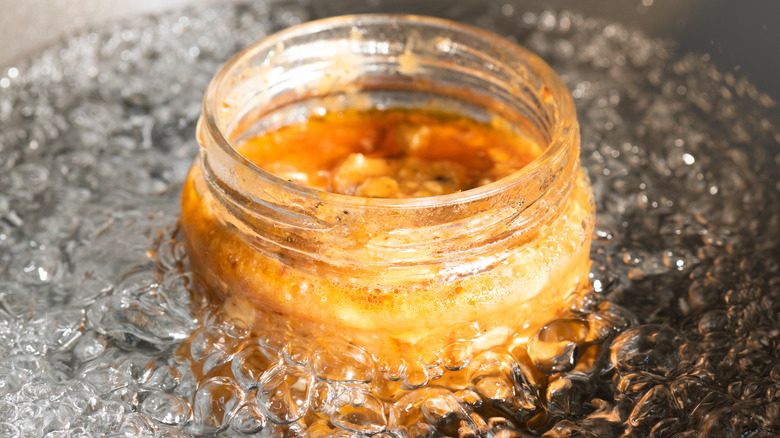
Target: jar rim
{"type": "Point", "coordinates": [561, 131]}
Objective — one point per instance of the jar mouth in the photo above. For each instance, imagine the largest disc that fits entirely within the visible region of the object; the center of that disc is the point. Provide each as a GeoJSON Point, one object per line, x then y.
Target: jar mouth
{"type": "Point", "coordinates": [561, 130]}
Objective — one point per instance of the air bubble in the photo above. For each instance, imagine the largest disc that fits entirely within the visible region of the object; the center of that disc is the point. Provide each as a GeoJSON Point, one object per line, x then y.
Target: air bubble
{"type": "Point", "coordinates": [250, 364]}
{"type": "Point", "coordinates": [336, 360]}
{"type": "Point", "coordinates": [39, 266]}
{"type": "Point", "coordinates": [566, 395]}
{"type": "Point", "coordinates": [359, 412]}
{"type": "Point", "coordinates": [651, 348]}
{"type": "Point", "coordinates": [554, 348]}
{"type": "Point", "coordinates": [165, 408]}
{"type": "Point", "coordinates": [248, 420]}
{"type": "Point", "coordinates": [284, 394]}
{"type": "Point", "coordinates": [214, 405]}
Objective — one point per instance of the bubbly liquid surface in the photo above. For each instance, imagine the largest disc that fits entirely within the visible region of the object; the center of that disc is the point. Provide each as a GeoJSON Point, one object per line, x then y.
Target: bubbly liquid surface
{"type": "Point", "coordinates": [679, 333]}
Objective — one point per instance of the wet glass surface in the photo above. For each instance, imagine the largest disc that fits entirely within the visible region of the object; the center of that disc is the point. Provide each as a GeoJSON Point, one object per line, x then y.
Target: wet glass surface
{"type": "Point", "coordinates": [680, 334]}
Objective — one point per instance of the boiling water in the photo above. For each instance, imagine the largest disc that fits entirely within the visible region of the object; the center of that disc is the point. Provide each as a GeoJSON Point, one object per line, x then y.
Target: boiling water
{"type": "Point", "coordinates": [99, 335]}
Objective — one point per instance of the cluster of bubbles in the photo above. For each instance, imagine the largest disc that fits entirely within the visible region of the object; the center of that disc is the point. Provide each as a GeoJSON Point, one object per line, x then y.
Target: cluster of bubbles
{"type": "Point", "coordinates": [100, 336]}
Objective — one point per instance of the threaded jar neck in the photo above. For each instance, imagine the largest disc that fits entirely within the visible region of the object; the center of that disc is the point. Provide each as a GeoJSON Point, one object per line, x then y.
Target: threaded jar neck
{"type": "Point", "coordinates": [386, 61]}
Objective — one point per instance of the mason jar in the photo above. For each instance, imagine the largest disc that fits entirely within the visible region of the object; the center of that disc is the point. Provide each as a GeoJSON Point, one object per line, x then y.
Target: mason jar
{"type": "Point", "coordinates": [431, 280]}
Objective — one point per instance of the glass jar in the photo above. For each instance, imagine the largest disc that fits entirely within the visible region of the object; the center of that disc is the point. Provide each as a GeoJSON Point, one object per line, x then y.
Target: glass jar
{"type": "Point", "coordinates": [426, 280]}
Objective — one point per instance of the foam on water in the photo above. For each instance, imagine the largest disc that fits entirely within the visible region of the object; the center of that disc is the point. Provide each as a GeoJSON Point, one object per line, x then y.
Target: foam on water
{"type": "Point", "coordinates": [679, 336]}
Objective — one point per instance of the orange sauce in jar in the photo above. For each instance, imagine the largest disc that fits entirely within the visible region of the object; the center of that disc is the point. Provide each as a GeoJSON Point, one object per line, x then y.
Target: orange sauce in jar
{"type": "Point", "coordinates": [495, 299]}
{"type": "Point", "coordinates": [391, 154]}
